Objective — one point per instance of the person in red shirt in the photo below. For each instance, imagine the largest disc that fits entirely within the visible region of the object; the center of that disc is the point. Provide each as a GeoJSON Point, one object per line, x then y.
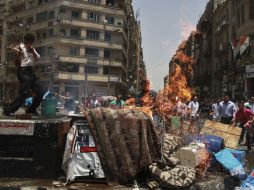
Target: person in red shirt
{"type": "Point", "coordinates": [244, 116]}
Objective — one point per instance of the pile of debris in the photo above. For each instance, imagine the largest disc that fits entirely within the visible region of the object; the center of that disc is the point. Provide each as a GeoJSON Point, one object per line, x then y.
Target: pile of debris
{"type": "Point", "coordinates": [125, 144]}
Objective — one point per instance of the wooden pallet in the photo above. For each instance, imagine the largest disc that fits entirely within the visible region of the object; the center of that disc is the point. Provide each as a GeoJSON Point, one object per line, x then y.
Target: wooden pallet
{"type": "Point", "coordinates": [230, 134]}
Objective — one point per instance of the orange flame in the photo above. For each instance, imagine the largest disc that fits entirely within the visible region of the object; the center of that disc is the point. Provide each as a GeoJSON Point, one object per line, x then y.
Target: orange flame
{"type": "Point", "coordinates": [177, 85]}
{"type": "Point", "coordinates": [146, 100]}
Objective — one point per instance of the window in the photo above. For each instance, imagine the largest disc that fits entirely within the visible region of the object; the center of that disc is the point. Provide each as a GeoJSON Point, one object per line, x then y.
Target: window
{"type": "Point", "coordinates": [50, 32]}
{"type": "Point", "coordinates": [110, 2]}
{"type": "Point", "coordinates": [40, 17]}
{"type": "Point", "coordinates": [69, 67]}
{"type": "Point", "coordinates": [75, 33]}
{"type": "Point", "coordinates": [91, 69]}
{"type": "Point", "coordinates": [242, 15]}
{"type": "Point", "coordinates": [51, 14]}
{"type": "Point", "coordinates": [30, 4]}
{"type": "Point", "coordinates": [92, 52]}
{"type": "Point", "coordinates": [30, 20]}
{"type": "Point", "coordinates": [238, 18]}
{"type": "Point", "coordinates": [107, 37]}
{"type": "Point", "coordinates": [110, 20]}
{"type": "Point", "coordinates": [93, 17]}
{"type": "Point", "coordinates": [50, 51]}
{"type": "Point", "coordinates": [38, 35]}
{"type": "Point", "coordinates": [41, 51]}
{"type": "Point", "coordinates": [63, 32]}
{"type": "Point", "coordinates": [105, 70]}
{"type": "Point", "coordinates": [106, 53]}
{"type": "Point", "coordinates": [92, 34]}
{"type": "Point", "coordinates": [44, 35]}
{"type": "Point", "coordinates": [94, 1]}
{"type": "Point", "coordinates": [74, 51]}
{"type": "Point", "coordinates": [75, 15]}
{"type": "Point", "coordinates": [251, 10]}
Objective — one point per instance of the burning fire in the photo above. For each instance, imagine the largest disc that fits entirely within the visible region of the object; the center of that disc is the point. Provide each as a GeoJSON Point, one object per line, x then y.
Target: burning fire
{"type": "Point", "coordinates": [204, 164]}
{"type": "Point", "coordinates": [177, 86]}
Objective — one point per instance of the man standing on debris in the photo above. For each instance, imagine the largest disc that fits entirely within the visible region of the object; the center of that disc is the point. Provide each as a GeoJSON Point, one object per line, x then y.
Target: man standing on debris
{"type": "Point", "coordinates": [27, 78]}
{"type": "Point", "coordinates": [193, 107]}
{"type": "Point", "coordinates": [226, 110]}
{"type": "Point", "coordinates": [245, 118]}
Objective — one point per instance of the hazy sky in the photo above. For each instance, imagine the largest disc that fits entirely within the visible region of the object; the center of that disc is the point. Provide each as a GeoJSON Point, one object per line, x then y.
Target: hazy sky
{"type": "Point", "coordinates": [164, 24]}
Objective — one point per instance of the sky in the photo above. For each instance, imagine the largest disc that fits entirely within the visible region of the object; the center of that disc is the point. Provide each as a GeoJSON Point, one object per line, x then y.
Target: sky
{"type": "Point", "coordinates": [164, 24]}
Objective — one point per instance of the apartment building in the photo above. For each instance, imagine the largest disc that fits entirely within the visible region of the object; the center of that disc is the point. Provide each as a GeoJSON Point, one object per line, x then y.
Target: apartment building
{"type": "Point", "coordinates": [86, 46]}
{"type": "Point", "coordinates": [220, 67]}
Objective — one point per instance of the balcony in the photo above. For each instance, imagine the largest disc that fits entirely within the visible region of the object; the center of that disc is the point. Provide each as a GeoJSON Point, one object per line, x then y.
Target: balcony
{"type": "Point", "coordinates": [93, 7]}
{"type": "Point", "coordinates": [223, 25]}
{"type": "Point", "coordinates": [79, 41]}
{"type": "Point", "coordinates": [67, 3]}
{"type": "Point", "coordinates": [89, 24]}
{"type": "Point", "coordinates": [90, 77]}
{"type": "Point", "coordinates": [85, 60]}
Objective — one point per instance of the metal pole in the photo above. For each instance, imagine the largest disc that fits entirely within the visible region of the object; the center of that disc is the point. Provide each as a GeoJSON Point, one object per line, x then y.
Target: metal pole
{"type": "Point", "coordinates": [4, 44]}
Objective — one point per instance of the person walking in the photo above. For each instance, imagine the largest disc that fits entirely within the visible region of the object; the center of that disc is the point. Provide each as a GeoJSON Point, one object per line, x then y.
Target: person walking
{"type": "Point", "coordinates": [245, 118]}
{"type": "Point", "coordinates": [215, 110]}
{"type": "Point", "coordinates": [250, 105]}
{"type": "Point", "coordinates": [227, 109]}
{"type": "Point", "coordinates": [193, 108]}
{"type": "Point", "coordinates": [27, 78]}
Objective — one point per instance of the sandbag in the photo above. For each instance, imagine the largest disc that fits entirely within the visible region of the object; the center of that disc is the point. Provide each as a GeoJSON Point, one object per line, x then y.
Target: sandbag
{"type": "Point", "coordinates": [179, 176]}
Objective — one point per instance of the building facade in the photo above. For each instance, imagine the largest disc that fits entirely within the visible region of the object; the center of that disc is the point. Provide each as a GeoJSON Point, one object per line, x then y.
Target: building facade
{"type": "Point", "coordinates": [86, 46]}
{"type": "Point", "coordinates": [224, 64]}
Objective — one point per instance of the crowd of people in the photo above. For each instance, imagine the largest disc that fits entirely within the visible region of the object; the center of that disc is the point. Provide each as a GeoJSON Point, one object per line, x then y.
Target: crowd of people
{"type": "Point", "coordinates": [226, 111]}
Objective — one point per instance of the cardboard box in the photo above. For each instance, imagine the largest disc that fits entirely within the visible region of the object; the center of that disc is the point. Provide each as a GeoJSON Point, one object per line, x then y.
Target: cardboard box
{"type": "Point", "coordinates": [192, 155]}
{"type": "Point", "coordinates": [230, 134]}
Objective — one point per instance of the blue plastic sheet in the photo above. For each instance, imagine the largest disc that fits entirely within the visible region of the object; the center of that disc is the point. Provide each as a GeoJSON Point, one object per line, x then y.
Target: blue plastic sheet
{"type": "Point", "coordinates": [238, 154]}
{"type": "Point", "coordinates": [226, 158]}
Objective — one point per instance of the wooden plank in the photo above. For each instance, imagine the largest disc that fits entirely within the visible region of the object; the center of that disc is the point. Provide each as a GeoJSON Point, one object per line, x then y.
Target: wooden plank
{"type": "Point", "coordinates": [230, 134]}
{"type": "Point", "coordinates": [222, 127]}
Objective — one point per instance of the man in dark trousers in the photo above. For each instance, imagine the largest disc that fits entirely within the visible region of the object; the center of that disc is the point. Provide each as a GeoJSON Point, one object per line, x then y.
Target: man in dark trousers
{"type": "Point", "coordinates": [27, 78]}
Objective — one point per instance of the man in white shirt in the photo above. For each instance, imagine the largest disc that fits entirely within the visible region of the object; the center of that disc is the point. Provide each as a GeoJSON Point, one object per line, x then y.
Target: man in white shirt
{"type": "Point", "coordinates": [94, 102]}
{"type": "Point", "coordinates": [27, 78]}
{"type": "Point", "coordinates": [215, 110]}
{"type": "Point", "coordinates": [193, 107]}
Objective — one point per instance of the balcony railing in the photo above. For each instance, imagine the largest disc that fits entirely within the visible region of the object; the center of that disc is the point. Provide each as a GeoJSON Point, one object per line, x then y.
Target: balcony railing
{"type": "Point", "coordinates": [90, 77]}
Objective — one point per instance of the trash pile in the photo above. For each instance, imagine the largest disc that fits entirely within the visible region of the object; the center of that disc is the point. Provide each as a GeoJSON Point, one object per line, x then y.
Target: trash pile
{"type": "Point", "coordinates": [213, 151]}
{"type": "Point", "coordinates": [125, 144]}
